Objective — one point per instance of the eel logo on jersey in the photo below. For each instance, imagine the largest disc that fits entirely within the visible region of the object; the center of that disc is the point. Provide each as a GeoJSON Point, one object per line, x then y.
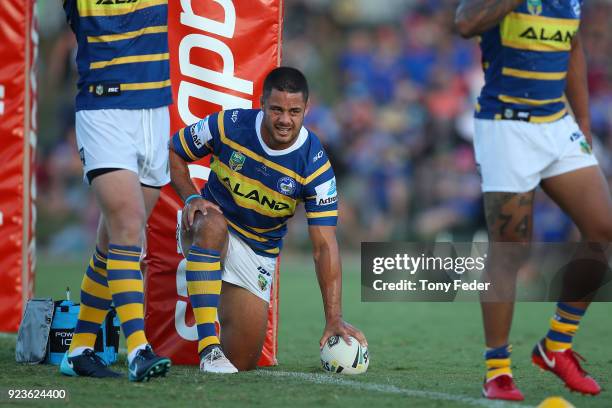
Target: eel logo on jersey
{"type": "Point", "coordinates": [534, 7]}
{"type": "Point", "coordinates": [286, 185]}
{"type": "Point", "coordinates": [326, 192]}
{"type": "Point", "coordinates": [234, 116]}
{"type": "Point", "coordinates": [236, 161]}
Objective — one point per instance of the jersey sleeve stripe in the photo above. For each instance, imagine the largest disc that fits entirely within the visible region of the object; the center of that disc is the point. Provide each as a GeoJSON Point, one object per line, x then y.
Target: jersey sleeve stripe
{"type": "Point", "coordinates": [322, 214]}
{"type": "Point", "coordinates": [129, 60]}
{"type": "Point", "coordinates": [127, 35]}
{"type": "Point", "coordinates": [253, 155]}
{"type": "Point", "coordinates": [181, 135]}
{"type": "Point", "coordinates": [318, 172]}
{"type": "Point", "coordinates": [547, 76]}
{"type": "Point", "coordinates": [87, 8]}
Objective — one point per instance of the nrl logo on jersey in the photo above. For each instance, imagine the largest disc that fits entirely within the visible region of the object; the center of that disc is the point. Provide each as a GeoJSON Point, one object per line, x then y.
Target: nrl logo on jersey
{"type": "Point", "coordinates": [236, 161]}
{"type": "Point", "coordinates": [534, 7]}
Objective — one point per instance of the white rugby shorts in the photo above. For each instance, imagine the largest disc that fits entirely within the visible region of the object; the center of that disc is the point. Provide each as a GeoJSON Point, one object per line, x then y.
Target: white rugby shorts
{"type": "Point", "coordinates": [132, 139]}
{"type": "Point", "coordinates": [514, 156]}
{"type": "Point", "coordinates": [243, 267]}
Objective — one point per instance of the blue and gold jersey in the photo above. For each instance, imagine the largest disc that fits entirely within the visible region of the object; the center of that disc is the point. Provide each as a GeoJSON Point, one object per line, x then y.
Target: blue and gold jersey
{"type": "Point", "coordinates": [122, 55]}
{"type": "Point", "coordinates": [259, 188]}
{"type": "Point", "coordinates": [525, 62]}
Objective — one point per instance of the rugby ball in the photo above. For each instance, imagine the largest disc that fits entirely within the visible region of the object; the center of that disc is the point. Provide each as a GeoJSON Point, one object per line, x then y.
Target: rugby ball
{"type": "Point", "coordinates": [342, 358]}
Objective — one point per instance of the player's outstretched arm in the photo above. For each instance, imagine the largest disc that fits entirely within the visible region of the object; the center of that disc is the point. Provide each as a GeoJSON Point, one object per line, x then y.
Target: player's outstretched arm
{"type": "Point", "coordinates": [474, 17]}
{"type": "Point", "coordinates": [329, 275]}
{"type": "Point", "coordinates": [576, 88]}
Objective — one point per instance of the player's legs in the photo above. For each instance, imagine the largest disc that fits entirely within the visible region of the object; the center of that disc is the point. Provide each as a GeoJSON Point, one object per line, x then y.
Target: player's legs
{"type": "Point", "coordinates": [110, 143]}
{"type": "Point", "coordinates": [244, 318]}
{"type": "Point", "coordinates": [584, 195]}
{"type": "Point", "coordinates": [96, 295]}
{"type": "Point", "coordinates": [122, 203]}
{"type": "Point", "coordinates": [203, 274]}
{"type": "Point", "coordinates": [509, 221]}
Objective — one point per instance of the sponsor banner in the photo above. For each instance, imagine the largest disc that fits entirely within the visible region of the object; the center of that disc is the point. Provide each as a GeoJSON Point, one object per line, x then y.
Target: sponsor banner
{"type": "Point", "coordinates": [18, 54]}
{"type": "Point", "coordinates": [215, 64]}
{"type": "Point", "coordinates": [459, 271]}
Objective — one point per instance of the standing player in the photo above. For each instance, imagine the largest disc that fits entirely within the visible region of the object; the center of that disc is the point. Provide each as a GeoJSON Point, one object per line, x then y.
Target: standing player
{"type": "Point", "coordinates": [263, 164]}
{"type": "Point", "coordinates": [122, 126]}
{"type": "Point", "coordinates": [532, 56]}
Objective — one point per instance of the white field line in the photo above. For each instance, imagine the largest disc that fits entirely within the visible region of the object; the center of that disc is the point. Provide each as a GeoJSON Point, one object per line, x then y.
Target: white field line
{"type": "Point", "coordinates": [338, 380]}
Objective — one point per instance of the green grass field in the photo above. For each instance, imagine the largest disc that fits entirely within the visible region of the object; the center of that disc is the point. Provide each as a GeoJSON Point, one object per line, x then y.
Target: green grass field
{"type": "Point", "coordinates": [422, 355]}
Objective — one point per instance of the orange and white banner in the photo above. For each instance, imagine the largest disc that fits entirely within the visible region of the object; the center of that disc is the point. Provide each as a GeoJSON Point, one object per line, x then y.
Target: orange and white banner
{"type": "Point", "coordinates": [18, 52]}
{"type": "Point", "coordinates": [220, 52]}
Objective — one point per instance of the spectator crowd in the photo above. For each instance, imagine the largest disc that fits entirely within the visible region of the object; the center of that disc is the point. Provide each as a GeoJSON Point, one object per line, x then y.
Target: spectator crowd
{"type": "Point", "coordinates": [393, 92]}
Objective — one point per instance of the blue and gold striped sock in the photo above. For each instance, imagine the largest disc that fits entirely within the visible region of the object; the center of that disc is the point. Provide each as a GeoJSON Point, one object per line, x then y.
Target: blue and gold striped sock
{"type": "Point", "coordinates": [204, 288]}
{"type": "Point", "coordinates": [125, 284]}
{"type": "Point", "coordinates": [95, 302]}
{"type": "Point", "coordinates": [498, 361]}
{"type": "Point", "coordinates": [563, 327]}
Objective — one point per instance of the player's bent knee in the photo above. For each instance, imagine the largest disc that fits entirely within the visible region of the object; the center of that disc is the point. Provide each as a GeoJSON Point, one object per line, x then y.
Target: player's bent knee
{"type": "Point", "coordinates": [209, 230]}
{"type": "Point", "coordinates": [125, 226]}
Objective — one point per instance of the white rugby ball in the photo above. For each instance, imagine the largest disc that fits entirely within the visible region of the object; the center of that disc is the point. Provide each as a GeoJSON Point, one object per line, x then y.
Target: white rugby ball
{"type": "Point", "coordinates": [342, 358]}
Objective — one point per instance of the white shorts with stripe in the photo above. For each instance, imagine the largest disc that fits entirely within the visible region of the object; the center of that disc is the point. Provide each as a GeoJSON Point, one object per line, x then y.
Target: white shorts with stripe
{"type": "Point", "coordinates": [132, 139]}
{"type": "Point", "coordinates": [243, 267]}
{"type": "Point", "coordinates": [514, 156]}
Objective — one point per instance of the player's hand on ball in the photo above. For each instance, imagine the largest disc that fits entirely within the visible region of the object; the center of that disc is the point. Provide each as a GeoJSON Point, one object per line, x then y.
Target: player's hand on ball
{"type": "Point", "coordinates": [199, 204]}
{"type": "Point", "coordinates": [343, 329]}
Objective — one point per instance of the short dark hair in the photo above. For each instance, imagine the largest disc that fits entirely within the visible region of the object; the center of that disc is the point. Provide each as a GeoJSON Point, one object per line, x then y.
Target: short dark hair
{"type": "Point", "coordinates": [285, 79]}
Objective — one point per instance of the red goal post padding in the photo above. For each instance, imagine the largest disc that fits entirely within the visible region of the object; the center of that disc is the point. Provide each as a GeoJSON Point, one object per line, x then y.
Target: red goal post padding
{"type": "Point", "coordinates": [220, 52]}
{"type": "Point", "coordinates": [18, 53]}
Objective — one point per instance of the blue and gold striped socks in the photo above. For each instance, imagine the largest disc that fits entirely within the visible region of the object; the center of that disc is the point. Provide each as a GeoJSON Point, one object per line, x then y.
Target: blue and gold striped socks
{"type": "Point", "coordinates": [95, 302]}
{"type": "Point", "coordinates": [563, 327]}
{"type": "Point", "coordinates": [204, 288]}
{"type": "Point", "coordinates": [498, 361]}
{"type": "Point", "coordinates": [126, 286]}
